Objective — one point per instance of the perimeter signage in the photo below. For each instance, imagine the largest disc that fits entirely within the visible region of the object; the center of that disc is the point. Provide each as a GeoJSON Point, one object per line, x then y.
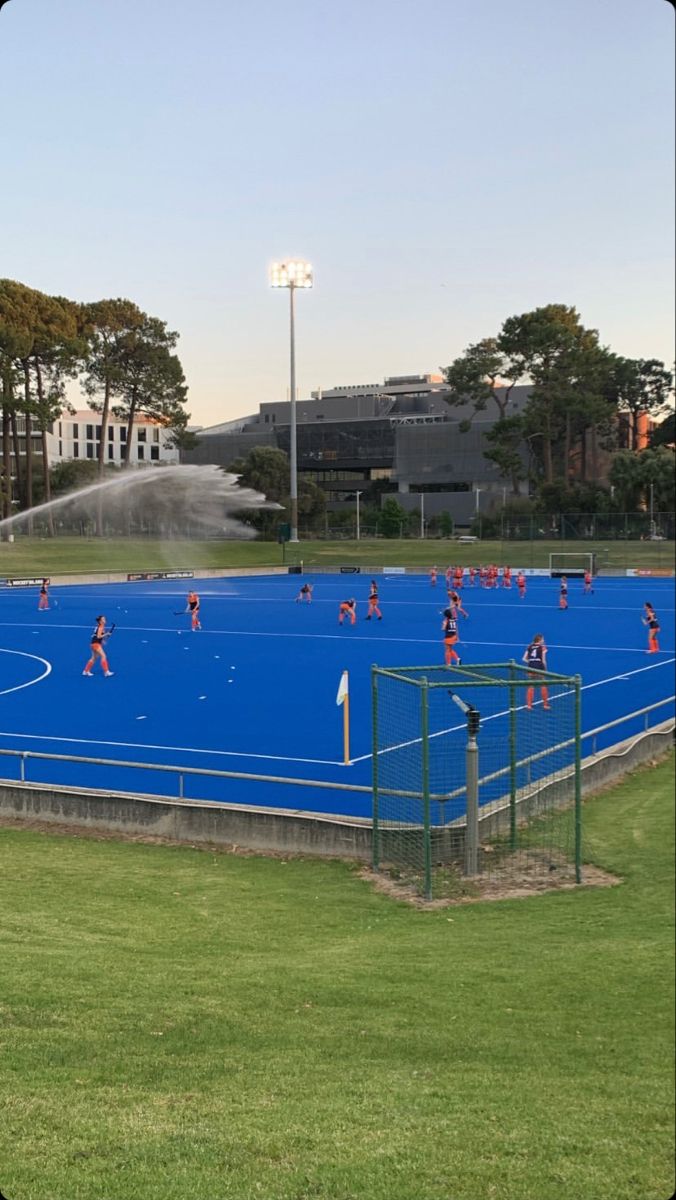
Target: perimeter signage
{"type": "Point", "coordinates": [137, 576]}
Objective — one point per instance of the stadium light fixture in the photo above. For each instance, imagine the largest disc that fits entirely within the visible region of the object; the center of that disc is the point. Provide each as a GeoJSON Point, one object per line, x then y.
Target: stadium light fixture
{"type": "Point", "coordinates": [292, 274]}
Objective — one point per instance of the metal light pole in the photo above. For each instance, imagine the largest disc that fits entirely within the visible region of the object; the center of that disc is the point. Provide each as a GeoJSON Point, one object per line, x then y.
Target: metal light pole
{"type": "Point", "coordinates": [652, 508]}
{"type": "Point", "coordinates": [422, 514]}
{"type": "Point", "coordinates": [358, 494]}
{"type": "Point", "coordinates": [292, 274]}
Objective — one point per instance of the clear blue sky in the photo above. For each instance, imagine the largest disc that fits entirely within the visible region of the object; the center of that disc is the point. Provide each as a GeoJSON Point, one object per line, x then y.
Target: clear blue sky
{"type": "Point", "coordinates": [444, 164]}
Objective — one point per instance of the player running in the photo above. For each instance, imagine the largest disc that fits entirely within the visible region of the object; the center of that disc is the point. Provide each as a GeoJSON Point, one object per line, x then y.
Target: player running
{"type": "Point", "coordinates": [373, 603]}
{"type": "Point", "coordinates": [43, 601]}
{"type": "Point", "coordinates": [588, 589]}
{"type": "Point", "coordinates": [305, 593]}
{"type": "Point", "coordinates": [98, 638]}
{"type": "Point", "coordinates": [433, 576]}
{"type": "Point", "coordinates": [348, 608]}
{"type": "Point", "coordinates": [535, 658]}
{"type": "Point", "coordinates": [506, 577]}
{"type": "Point", "coordinates": [449, 627]}
{"type": "Point", "coordinates": [521, 584]}
{"type": "Point", "coordinates": [563, 594]}
{"type": "Point", "coordinates": [651, 620]}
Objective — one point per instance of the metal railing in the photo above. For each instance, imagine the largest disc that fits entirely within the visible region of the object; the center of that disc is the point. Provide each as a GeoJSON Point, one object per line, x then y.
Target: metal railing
{"type": "Point", "coordinates": [182, 771]}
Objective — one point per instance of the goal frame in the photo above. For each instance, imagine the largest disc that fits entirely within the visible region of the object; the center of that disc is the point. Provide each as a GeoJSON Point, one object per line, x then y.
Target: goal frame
{"type": "Point", "coordinates": [575, 568]}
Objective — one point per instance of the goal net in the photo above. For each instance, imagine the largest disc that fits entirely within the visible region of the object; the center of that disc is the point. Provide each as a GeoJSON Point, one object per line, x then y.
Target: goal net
{"type": "Point", "coordinates": [511, 813]}
{"type": "Point", "coordinates": [571, 564]}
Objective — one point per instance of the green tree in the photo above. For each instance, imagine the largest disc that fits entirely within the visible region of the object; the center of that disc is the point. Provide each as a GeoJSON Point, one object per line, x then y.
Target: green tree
{"type": "Point", "coordinates": [475, 377]}
{"type": "Point", "coordinates": [150, 381]}
{"type": "Point", "coordinates": [664, 434]}
{"type": "Point", "coordinates": [632, 475]}
{"type": "Point", "coordinates": [642, 385]}
{"type": "Point", "coordinates": [446, 524]}
{"type": "Point", "coordinates": [109, 326]}
{"type": "Point", "coordinates": [392, 518]}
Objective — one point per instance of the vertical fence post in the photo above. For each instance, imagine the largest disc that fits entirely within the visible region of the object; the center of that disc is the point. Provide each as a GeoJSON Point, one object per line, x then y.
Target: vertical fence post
{"type": "Point", "coordinates": [22, 773]}
{"type": "Point", "coordinates": [472, 827]}
{"type": "Point", "coordinates": [427, 836]}
{"type": "Point", "coordinates": [578, 779]}
{"type": "Point", "coordinates": [512, 757]}
{"type": "Point", "coordinates": [180, 785]}
{"type": "Point", "coordinates": [375, 835]}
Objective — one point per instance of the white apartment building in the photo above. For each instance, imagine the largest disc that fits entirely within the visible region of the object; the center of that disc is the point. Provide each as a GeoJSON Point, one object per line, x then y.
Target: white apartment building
{"type": "Point", "coordinates": [78, 435]}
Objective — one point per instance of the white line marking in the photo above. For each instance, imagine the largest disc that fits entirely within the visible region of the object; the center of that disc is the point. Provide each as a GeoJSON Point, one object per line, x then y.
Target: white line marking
{"type": "Point", "coordinates": [340, 637]}
{"type": "Point", "coordinates": [23, 654]}
{"type": "Point", "coordinates": [37, 737]}
{"type": "Point", "coordinates": [463, 725]}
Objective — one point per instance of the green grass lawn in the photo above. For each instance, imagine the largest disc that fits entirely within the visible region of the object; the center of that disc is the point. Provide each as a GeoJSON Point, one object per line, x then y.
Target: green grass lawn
{"type": "Point", "coordinates": [177, 1023]}
{"type": "Point", "coordinates": [36, 556]}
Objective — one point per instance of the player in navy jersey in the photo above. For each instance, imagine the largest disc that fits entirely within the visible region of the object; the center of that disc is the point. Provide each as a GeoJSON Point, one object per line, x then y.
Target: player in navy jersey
{"type": "Point", "coordinates": [374, 610]}
{"type": "Point", "coordinates": [651, 620]}
{"type": "Point", "coordinates": [535, 658]}
{"type": "Point", "coordinates": [449, 627]}
{"type": "Point", "coordinates": [563, 593]}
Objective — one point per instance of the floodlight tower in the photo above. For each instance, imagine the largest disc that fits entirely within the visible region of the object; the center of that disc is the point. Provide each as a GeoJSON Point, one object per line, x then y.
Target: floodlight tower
{"type": "Point", "coordinates": [295, 273]}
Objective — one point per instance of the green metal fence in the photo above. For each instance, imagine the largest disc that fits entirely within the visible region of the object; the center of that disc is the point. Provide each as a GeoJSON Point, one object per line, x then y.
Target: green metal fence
{"type": "Point", "coordinates": [476, 775]}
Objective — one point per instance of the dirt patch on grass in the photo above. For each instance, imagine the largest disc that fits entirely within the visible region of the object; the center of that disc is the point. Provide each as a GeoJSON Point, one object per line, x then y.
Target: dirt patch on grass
{"type": "Point", "coordinates": [510, 881]}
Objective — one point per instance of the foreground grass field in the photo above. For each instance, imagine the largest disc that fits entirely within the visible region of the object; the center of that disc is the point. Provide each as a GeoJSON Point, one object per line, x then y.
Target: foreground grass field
{"type": "Point", "coordinates": [178, 1023]}
{"type": "Point", "coordinates": [35, 556]}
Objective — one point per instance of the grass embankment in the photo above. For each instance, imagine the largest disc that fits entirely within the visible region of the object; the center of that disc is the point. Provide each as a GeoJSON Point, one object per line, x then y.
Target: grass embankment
{"type": "Point", "coordinates": [178, 1023]}
{"type": "Point", "coordinates": [37, 556]}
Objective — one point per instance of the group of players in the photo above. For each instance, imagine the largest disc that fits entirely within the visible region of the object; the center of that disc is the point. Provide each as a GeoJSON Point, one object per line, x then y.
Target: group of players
{"type": "Point", "coordinates": [535, 655]}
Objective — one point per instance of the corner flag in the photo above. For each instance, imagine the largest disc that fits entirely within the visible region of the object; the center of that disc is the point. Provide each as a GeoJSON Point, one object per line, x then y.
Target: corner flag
{"type": "Point", "coordinates": [343, 697]}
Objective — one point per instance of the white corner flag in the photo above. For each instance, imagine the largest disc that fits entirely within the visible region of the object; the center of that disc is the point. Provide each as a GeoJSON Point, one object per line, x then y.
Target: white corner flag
{"type": "Point", "coordinates": [343, 697]}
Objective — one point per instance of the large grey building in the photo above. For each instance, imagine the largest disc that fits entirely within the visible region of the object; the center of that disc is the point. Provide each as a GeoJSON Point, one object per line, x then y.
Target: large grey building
{"type": "Point", "coordinates": [400, 437]}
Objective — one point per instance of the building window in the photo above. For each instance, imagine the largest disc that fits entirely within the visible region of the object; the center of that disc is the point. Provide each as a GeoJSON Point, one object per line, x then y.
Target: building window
{"type": "Point", "coordinates": [60, 429]}
{"type": "Point", "coordinates": [156, 436]}
{"type": "Point", "coordinates": [60, 449]}
{"type": "Point", "coordinates": [123, 433]}
{"type": "Point", "coordinates": [98, 431]}
{"type": "Point", "coordinates": [90, 433]}
{"type": "Point", "coordinates": [141, 435]}
{"type": "Point", "coordinates": [111, 433]}
{"type": "Point", "coordinates": [76, 449]}
{"type": "Point", "coordinates": [111, 452]}
{"type": "Point", "coordinates": [90, 450]}
{"type": "Point", "coordinates": [141, 453]}
{"type": "Point", "coordinates": [75, 431]}
{"type": "Point", "coordinates": [155, 453]}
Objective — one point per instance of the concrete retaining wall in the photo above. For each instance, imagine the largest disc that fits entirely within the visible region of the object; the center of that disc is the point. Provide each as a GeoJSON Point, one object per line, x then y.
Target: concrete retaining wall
{"type": "Point", "coordinates": [272, 829]}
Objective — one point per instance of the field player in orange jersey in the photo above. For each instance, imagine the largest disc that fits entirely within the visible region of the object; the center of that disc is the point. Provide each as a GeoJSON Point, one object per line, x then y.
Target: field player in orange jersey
{"type": "Point", "coordinates": [588, 589]}
{"type": "Point", "coordinates": [456, 603]}
{"type": "Point", "coordinates": [507, 577]}
{"type": "Point", "coordinates": [535, 658]}
{"type": "Point", "coordinates": [472, 575]}
{"type": "Point", "coordinates": [348, 608]}
{"type": "Point", "coordinates": [97, 641]}
{"type": "Point", "coordinates": [433, 576]}
{"type": "Point", "coordinates": [521, 584]}
{"type": "Point", "coordinates": [194, 610]}
{"type": "Point", "coordinates": [373, 611]}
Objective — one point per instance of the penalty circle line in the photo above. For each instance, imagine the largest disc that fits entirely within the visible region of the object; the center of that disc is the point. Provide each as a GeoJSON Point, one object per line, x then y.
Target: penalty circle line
{"type": "Point", "coordinates": [38, 678]}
